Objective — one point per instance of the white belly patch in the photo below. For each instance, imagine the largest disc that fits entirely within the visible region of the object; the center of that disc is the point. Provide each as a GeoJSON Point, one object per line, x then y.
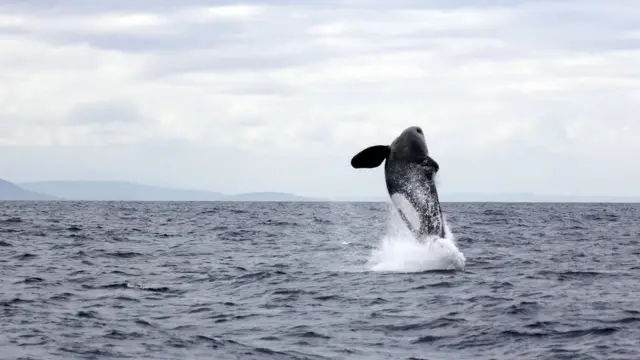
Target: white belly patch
{"type": "Point", "coordinates": [404, 206]}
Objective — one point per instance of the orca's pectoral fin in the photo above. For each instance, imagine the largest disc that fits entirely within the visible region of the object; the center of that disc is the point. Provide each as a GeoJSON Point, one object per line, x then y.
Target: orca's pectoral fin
{"type": "Point", "coordinates": [370, 157]}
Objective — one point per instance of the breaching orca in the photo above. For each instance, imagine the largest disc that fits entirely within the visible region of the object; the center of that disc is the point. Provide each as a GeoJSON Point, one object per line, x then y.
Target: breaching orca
{"type": "Point", "coordinates": [409, 173]}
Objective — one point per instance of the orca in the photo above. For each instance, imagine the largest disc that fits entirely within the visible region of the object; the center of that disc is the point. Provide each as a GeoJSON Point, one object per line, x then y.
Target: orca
{"type": "Point", "coordinates": [409, 174]}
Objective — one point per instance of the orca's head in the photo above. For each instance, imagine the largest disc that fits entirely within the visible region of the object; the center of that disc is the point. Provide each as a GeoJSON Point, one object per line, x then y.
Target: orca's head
{"type": "Point", "coordinates": [410, 145]}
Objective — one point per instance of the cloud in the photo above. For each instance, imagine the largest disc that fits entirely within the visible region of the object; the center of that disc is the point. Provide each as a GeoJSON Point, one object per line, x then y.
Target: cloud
{"type": "Point", "coordinates": [516, 96]}
{"type": "Point", "coordinates": [105, 112]}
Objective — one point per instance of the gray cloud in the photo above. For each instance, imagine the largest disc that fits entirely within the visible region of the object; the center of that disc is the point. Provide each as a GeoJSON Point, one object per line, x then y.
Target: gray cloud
{"type": "Point", "coordinates": [279, 39]}
{"type": "Point", "coordinates": [106, 112]}
{"type": "Point", "coordinates": [96, 6]}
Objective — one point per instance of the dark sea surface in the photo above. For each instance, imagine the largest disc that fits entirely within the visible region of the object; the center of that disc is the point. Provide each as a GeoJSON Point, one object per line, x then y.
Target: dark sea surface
{"type": "Point", "coordinates": [111, 280]}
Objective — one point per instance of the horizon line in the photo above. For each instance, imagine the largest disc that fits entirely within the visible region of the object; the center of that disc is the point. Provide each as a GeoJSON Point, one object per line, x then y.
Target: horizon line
{"type": "Point", "coordinates": [348, 198]}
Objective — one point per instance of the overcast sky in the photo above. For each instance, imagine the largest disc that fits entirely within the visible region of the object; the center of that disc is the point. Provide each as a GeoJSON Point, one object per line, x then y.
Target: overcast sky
{"type": "Point", "coordinates": [514, 96]}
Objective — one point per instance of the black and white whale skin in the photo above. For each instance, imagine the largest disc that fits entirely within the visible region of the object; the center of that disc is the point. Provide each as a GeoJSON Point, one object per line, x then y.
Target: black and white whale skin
{"type": "Point", "coordinates": [409, 173]}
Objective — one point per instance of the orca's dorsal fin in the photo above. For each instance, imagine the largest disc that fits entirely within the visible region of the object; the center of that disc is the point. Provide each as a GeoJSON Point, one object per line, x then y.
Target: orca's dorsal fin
{"type": "Point", "coordinates": [371, 157]}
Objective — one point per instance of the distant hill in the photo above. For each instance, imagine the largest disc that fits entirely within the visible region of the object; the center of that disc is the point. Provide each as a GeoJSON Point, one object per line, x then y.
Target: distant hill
{"type": "Point", "coordinates": [12, 192]}
{"type": "Point", "coordinates": [117, 191]}
{"type": "Point", "coordinates": [358, 199]}
{"type": "Point", "coordinates": [126, 191]}
{"type": "Point", "coordinates": [265, 196]}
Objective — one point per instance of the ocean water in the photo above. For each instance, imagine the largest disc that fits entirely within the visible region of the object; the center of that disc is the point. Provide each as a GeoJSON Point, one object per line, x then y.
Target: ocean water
{"type": "Point", "coordinates": [111, 280]}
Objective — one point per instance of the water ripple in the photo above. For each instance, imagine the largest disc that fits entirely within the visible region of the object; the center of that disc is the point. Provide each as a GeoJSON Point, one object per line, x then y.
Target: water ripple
{"type": "Point", "coordinates": [293, 281]}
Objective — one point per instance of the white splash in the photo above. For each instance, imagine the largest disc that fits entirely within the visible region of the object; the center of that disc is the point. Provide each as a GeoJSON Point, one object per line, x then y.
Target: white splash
{"type": "Point", "coordinates": [400, 251]}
